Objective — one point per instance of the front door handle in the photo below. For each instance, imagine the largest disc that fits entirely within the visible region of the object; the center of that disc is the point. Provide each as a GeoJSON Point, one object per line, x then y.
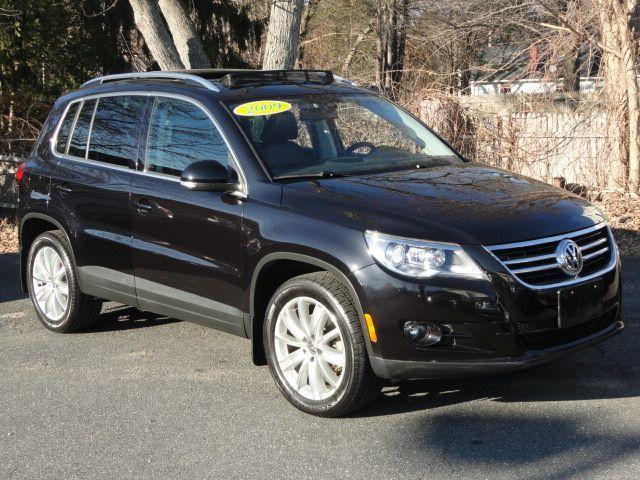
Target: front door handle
{"type": "Point", "coordinates": [62, 189]}
{"type": "Point", "coordinates": [143, 205]}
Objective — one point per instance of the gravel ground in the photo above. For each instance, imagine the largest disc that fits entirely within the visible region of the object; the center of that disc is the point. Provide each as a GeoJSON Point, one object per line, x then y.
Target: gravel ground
{"type": "Point", "coordinates": [142, 397]}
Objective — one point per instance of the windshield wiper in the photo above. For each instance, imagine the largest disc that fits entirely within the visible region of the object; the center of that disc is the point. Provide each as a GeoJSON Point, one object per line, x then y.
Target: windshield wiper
{"type": "Point", "coordinates": [293, 176]}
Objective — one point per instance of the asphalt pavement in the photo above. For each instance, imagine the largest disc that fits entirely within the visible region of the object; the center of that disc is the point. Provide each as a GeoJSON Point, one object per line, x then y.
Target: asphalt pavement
{"type": "Point", "coordinates": [143, 397]}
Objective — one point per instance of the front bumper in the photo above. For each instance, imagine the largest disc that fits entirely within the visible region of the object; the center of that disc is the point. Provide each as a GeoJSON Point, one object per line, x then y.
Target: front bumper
{"type": "Point", "coordinates": [405, 369]}
{"type": "Point", "coordinates": [520, 329]}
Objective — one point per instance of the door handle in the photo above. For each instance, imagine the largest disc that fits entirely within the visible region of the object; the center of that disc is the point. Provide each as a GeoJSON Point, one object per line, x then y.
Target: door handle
{"type": "Point", "coordinates": [62, 189]}
{"type": "Point", "coordinates": [143, 205]}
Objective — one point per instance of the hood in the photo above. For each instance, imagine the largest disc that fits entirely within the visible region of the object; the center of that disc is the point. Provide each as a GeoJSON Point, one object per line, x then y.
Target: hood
{"type": "Point", "coordinates": [465, 203]}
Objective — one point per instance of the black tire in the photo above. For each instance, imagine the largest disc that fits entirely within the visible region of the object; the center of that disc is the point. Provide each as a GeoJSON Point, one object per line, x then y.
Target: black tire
{"type": "Point", "coordinates": [82, 310]}
{"type": "Point", "coordinates": [360, 386]}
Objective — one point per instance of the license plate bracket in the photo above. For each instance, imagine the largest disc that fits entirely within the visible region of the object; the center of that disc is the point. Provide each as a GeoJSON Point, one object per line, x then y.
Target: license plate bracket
{"type": "Point", "coordinates": [579, 304]}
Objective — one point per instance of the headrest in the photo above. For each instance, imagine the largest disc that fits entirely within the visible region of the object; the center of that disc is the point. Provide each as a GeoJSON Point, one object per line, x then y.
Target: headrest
{"type": "Point", "coordinates": [279, 128]}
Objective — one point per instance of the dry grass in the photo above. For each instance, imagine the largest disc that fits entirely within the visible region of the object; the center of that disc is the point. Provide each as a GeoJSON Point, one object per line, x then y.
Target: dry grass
{"type": "Point", "coordinates": [8, 237]}
{"type": "Point", "coordinates": [623, 213]}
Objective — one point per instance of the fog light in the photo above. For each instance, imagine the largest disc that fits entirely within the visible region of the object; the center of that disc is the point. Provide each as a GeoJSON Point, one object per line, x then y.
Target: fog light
{"type": "Point", "coordinates": [422, 333]}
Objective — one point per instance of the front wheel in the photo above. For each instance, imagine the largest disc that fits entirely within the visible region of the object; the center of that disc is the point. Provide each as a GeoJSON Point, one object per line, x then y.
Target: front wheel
{"type": "Point", "coordinates": [315, 347]}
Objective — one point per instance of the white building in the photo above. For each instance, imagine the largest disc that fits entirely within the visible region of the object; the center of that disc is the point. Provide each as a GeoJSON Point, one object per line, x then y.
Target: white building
{"type": "Point", "coordinates": [530, 85]}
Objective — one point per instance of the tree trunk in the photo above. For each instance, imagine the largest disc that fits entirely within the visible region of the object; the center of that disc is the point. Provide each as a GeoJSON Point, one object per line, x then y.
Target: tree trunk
{"type": "Point", "coordinates": [621, 90]}
{"type": "Point", "coordinates": [401, 21]}
{"type": "Point", "coordinates": [283, 35]}
{"type": "Point", "coordinates": [630, 54]}
{"type": "Point", "coordinates": [141, 59]}
{"type": "Point", "coordinates": [571, 68]}
{"type": "Point", "coordinates": [384, 32]}
{"type": "Point", "coordinates": [149, 21]}
{"type": "Point", "coordinates": [184, 35]}
{"type": "Point", "coordinates": [571, 61]}
{"type": "Point", "coordinates": [309, 11]}
{"type": "Point", "coordinates": [392, 19]}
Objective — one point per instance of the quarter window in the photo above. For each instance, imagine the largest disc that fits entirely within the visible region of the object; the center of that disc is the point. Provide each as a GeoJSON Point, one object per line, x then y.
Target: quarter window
{"type": "Point", "coordinates": [80, 136]}
{"type": "Point", "coordinates": [180, 133]}
{"type": "Point", "coordinates": [115, 131]}
{"type": "Point", "coordinates": [65, 129]}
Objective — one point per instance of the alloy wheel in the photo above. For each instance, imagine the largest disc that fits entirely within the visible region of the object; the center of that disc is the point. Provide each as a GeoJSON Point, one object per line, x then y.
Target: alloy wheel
{"type": "Point", "coordinates": [50, 284]}
{"type": "Point", "coordinates": [309, 348]}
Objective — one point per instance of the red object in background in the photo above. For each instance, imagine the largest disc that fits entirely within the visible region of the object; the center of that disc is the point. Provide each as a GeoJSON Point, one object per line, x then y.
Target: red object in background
{"type": "Point", "coordinates": [20, 173]}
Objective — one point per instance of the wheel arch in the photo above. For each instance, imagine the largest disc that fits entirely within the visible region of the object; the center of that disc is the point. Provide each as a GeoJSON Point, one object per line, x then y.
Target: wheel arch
{"type": "Point", "coordinates": [295, 264]}
{"type": "Point", "coordinates": [32, 225]}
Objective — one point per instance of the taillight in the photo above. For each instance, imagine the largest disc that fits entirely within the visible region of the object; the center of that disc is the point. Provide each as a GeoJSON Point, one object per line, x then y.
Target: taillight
{"type": "Point", "coordinates": [20, 172]}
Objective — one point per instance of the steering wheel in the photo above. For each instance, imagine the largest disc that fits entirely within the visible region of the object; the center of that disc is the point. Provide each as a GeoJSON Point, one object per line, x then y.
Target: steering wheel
{"type": "Point", "coordinates": [351, 149]}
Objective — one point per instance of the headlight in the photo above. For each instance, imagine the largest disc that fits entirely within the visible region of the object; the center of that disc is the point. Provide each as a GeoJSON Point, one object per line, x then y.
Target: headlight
{"type": "Point", "coordinates": [421, 259]}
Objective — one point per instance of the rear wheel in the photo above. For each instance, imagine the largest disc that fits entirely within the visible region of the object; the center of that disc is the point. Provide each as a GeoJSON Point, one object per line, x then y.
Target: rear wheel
{"type": "Point", "coordinates": [316, 349]}
{"type": "Point", "coordinates": [53, 286]}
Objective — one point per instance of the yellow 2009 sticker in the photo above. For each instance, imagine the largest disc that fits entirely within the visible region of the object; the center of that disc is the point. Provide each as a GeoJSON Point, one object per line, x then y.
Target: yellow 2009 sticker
{"type": "Point", "coordinates": [261, 107]}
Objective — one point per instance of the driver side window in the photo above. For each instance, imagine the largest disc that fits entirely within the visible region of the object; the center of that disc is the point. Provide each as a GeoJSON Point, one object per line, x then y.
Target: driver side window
{"type": "Point", "coordinates": [181, 133]}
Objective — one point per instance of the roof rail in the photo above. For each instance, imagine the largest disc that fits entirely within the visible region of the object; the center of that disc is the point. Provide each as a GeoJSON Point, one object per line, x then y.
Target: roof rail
{"type": "Point", "coordinates": [203, 82]}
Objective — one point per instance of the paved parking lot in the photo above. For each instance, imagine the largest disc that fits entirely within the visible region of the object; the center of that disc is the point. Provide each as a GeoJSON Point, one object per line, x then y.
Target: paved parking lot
{"type": "Point", "coordinates": [145, 397]}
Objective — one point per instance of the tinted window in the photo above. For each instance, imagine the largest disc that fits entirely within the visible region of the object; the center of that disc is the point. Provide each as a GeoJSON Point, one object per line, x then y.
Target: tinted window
{"type": "Point", "coordinates": [78, 145]}
{"type": "Point", "coordinates": [115, 131]}
{"type": "Point", "coordinates": [65, 128]}
{"type": "Point", "coordinates": [180, 134]}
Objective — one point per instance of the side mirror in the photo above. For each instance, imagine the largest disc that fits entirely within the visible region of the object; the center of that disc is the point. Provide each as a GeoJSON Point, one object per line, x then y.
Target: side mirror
{"type": "Point", "coordinates": [207, 175]}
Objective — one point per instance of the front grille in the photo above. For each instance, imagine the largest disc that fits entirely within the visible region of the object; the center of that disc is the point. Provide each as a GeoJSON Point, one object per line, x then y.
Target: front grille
{"type": "Point", "coordinates": [534, 262]}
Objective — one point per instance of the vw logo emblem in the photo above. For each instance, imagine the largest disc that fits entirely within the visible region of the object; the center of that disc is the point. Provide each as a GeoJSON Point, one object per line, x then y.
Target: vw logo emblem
{"type": "Point", "coordinates": [569, 257]}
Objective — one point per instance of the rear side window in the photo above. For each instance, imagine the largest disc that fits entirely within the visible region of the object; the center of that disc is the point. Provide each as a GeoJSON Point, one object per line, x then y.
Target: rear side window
{"type": "Point", "coordinates": [80, 135]}
{"type": "Point", "coordinates": [116, 129]}
{"type": "Point", "coordinates": [65, 128]}
{"type": "Point", "coordinates": [181, 133]}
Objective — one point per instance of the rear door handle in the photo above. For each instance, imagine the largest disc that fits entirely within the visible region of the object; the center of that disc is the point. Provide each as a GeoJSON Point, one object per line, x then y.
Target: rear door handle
{"type": "Point", "coordinates": [63, 189]}
{"type": "Point", "coordinates": [143, 205]}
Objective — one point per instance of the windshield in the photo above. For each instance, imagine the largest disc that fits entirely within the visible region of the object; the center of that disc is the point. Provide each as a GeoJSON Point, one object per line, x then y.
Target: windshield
{"type": "Point", "coordinates": [327, 135]}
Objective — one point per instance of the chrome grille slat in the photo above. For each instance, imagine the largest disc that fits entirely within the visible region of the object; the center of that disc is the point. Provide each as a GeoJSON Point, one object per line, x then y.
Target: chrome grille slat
{"type": "Point", "coordinates": [542, 241]}
{"type": "Point", "coordinates": [593, 244]}
{"type": "Point", "coordinates": [596, 253]}
{"type": "Point", "coordinates": [539, 268]}
{"type": "Point", "coordinates": [528, 261]}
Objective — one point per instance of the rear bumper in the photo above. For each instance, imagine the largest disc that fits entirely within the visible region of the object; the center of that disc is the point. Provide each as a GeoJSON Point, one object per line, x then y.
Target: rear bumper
{"type": "Point", "coordinates": [405, 369]}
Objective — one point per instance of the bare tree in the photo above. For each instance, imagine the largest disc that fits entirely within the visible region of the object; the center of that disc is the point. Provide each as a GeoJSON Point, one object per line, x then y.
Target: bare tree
{"type": "Point", "coordinates": [393, 16]}
{"type": "Point", "coordinates": [571, 63]}
{"type": "Point", "coordinates": [309, 10]}
{"type": "Point", "coordinates": [149, 21]}
{"type": "Point", "coordinates": [621, 83]}
{"type": "Point", "coordinates": [354, 48]}
{"type": "Point", "coordinates": [185, 37]}
{"type": "Point", "coordinates": [283, 35]}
